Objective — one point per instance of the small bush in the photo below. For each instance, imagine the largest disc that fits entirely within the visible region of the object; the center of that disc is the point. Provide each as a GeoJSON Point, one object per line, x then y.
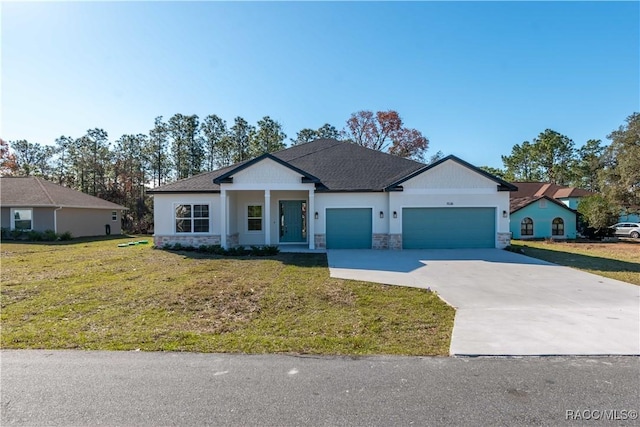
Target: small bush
{"type": "Point", "coordinates": [264, 250]}
{"type": "Point", "coordinates": [219, 250]}
{"type": "Point", "coordinates": [237, 251]}
{"type": "Point", "coordinates": [34, 236]}
{"type": "Point", "coordinates": [66, 236]}
{"type": "Point", "coordinates": [49, 236]}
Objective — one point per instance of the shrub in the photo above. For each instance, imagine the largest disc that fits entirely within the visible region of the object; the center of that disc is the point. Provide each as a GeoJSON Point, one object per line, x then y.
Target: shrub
{"type": "Point", "coordinates": [49, 236]}
{"type": "Point", "coordinates": [66, 236]}
{"type": "Point", "coordinates": [34, 236]}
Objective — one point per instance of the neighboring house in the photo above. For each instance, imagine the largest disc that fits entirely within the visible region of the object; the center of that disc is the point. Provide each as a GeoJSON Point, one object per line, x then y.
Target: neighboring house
{"type": "Point", "coordinates": [544, 210]}
{"type": "Point", "coordinates": [32, 203]}
{"type": "Point", "coordinates": [629, 217]}
{"type": "Point", "coordinates": [332, 194]}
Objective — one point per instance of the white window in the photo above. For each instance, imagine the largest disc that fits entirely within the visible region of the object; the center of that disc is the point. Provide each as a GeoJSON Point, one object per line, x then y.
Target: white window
{"type": "Point", "coordinates": [192, 218]}
{"type": "Point", "coordinates": [254, 218]}
{"type": "Point", "coordinates": [114, 215]}
{"type": "Point", "coordinates": [542, 203]}
{"type": "Point", "coordinates": [22, 219]}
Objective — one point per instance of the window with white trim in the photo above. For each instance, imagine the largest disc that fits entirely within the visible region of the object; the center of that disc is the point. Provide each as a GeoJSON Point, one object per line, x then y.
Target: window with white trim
{"type": "Point", "coordinates": [22, 219]}
{"type": "Point", "coordinates": [192, 218]}
{"type": "Point", "coordinates": [254, 218]}
{"type": "Point", "coordinates": [114, 215]}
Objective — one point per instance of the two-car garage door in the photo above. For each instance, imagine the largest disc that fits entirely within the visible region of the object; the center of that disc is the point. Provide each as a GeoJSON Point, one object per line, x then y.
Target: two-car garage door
{"type": "Point", "coordinates": [422, 228]}
{"type": "Point", "coordinates": [442, 228]}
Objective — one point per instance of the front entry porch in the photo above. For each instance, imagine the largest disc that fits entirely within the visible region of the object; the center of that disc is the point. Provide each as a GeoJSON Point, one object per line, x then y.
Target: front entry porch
{"type": "Point", "coordinates": [267, 217]}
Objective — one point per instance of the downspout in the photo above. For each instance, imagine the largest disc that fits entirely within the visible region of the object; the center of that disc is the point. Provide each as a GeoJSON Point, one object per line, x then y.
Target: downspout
{"type": "Point", "coordinates": [55, 219]}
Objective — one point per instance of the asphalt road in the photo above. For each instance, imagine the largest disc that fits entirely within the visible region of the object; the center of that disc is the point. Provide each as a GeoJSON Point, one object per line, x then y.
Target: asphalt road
{"type": "Point", "coordinates": [133, 388]}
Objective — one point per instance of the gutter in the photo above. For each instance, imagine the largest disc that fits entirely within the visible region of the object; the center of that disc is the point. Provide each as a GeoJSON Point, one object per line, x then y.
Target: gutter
{"type": "Point", "coordinates": [55, 219]}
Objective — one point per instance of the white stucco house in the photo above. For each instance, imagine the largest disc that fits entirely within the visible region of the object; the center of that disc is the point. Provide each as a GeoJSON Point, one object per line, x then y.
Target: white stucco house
{"type": "Point", "coordinates": [333, 194]}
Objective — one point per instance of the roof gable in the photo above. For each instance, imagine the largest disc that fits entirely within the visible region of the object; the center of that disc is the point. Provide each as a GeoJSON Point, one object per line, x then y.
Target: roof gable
{"type": "Point", "coordinates": [518, 203]}
{"type": "Point", "coordinates": [37, 192]}
{"type": "Point", "coordinates": [265, 169]}
{"type": "Point", "coordinates": [334, 166]}
{"type": "Point", "coordinates": [451, 172]}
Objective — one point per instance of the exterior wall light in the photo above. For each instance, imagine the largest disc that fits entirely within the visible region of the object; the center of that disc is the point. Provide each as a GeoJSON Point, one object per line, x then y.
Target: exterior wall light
{"type": "Point", "coordinates": [504, 214]}
{"type": "Point", "coordinates": [395, 214]}
{"type": "Point", "coordinates": [315, 215]}
{"type": "Point", "coordinates": [381, 214]}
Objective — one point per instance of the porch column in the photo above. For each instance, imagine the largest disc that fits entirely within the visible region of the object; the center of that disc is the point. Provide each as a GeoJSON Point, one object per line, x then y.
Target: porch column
{"type": "Point", "coordinates": [311, 221]}
{"type": "Point", "coordinates": [223, 218]}
{"type": "Point", "coordinates": [267, 217]}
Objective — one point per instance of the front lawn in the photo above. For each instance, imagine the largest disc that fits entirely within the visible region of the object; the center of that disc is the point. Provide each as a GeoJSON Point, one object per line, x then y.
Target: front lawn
{"type": "Point", "coordinates": [98, 296]}
{"type": "Point", "coordinates": [618, 260]}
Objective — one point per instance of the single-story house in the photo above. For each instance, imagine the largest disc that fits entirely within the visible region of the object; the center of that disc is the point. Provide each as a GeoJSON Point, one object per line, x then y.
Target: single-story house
{"type": "Point", "coordinates": [333, 194]}
{"type": "Point", "coordinates": [543, 210]}
{"type": "Point", "coordinates": [32, 203]}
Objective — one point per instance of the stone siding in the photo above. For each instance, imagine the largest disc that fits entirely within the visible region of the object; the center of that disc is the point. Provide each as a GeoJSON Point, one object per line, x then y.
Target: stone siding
{"type": "Point", "coordinates": [504, 240]}
{"type": "Point", "coordinates": [186, 240]}
{"type": "Point", "coordinates": [380, 241]}
{"type": "Point", "coordinates": [395, 241]}
{"type": "Point", "coordinates": [233, 240]}
{"type": "Point", "coordinates": [320, 241]}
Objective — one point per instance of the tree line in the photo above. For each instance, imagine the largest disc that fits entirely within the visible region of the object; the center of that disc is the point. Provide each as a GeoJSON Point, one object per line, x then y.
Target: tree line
{"type": "Point", "coordinates": [612, 171]}
{"type": "Point", "coordinates": [183, 146]}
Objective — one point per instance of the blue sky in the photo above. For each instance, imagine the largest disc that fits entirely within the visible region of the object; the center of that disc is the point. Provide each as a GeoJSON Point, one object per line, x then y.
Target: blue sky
{"type": "Point", "coordinates": [474, 77]}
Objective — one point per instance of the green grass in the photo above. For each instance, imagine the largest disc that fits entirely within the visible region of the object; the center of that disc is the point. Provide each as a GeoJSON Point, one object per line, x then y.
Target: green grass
{"type": "Point", "coordinates": [94, 295]}
{"type": "Point", "coordinates": [618, 260]}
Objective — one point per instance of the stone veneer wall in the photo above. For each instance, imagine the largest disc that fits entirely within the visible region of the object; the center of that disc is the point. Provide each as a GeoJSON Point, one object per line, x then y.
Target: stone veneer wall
{"type": "Point", "coordinates": [395, 241]}
{"type": "Point", "coordinates": [187, 240]}
{"type": "Point", "coordinates": [504, 240]}
{"type": "Point", "coordinates": [380, 241]}
{"type": "Point", "coordinates": [320, 241]}
{"type": "Point", "coordinates": [233, 240]}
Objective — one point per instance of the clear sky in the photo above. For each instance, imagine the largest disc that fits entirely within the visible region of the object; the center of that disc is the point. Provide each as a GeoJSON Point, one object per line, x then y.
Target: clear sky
{"type": "Point", "coordinates": [474, 77]}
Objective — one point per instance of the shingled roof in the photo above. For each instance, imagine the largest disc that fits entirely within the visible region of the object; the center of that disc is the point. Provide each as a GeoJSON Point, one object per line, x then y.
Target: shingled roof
{"type": "Point", "coordinates": [529, 192]}
{"type": "Point", "coordinates": [339, 166]}
{"type": "Point", "coordinates": [530, 189]}
{"type": "Point", "coordinates": [37, 192]}
{"type": "Point", "coordinates": [517, 203]}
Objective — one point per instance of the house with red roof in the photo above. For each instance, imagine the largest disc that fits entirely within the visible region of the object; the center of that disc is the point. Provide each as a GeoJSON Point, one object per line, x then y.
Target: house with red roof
{"type": "Point", "coordinates": [544, 210]}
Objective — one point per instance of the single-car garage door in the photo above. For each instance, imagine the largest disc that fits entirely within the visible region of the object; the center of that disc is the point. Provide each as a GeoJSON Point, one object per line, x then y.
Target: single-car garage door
{"type": "Point", "coordinates": [443, 228]}
{"type": "Point", "coordinates": [349, 228]}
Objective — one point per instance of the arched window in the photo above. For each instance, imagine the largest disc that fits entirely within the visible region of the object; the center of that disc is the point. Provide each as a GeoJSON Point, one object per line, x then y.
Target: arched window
{"type": "Point", "coordinates": [526, 227]}
{"type": "Point", "coordinates": [557, 227]}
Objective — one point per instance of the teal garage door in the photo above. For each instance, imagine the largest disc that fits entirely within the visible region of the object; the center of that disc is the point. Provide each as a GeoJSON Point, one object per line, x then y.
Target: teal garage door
{"type": "Point", "coordinates": [448, 228]}
{"type": "Point", "coordinates": [349, 228]}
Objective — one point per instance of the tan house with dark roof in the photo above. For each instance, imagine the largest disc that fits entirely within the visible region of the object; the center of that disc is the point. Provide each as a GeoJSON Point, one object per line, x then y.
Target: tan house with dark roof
{"type": "Point", "coordinates": [32, 203]}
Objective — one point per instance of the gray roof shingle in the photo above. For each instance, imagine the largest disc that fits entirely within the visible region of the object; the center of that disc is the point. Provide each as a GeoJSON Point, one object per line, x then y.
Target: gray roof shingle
{"type": "Point", "coordinates": [340, 166]}
{"type": "Point", "coordinates": [36, 192]}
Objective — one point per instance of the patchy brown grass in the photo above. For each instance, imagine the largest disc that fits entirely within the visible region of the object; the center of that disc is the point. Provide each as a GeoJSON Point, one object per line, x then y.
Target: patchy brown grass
{"type": "Point", "coordinates": [94, 295]}
{"type": "Point", "coordinates": [616, 260]}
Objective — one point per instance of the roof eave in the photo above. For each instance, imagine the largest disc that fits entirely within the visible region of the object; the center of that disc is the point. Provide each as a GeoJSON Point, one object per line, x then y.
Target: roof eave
{"type": "Point", "coordinates": [502, 184]}
{"type": "Point", "coordinates": [228, 175]}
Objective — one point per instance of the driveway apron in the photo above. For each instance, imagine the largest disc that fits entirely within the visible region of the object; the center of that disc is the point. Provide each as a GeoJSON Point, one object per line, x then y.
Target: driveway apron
{"type": "Point", "coordinates": [508, 303]}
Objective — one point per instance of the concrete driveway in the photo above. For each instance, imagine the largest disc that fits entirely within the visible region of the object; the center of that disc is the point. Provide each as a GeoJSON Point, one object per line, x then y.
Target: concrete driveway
{"type": "Point", "coordinates": [510, 304]}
